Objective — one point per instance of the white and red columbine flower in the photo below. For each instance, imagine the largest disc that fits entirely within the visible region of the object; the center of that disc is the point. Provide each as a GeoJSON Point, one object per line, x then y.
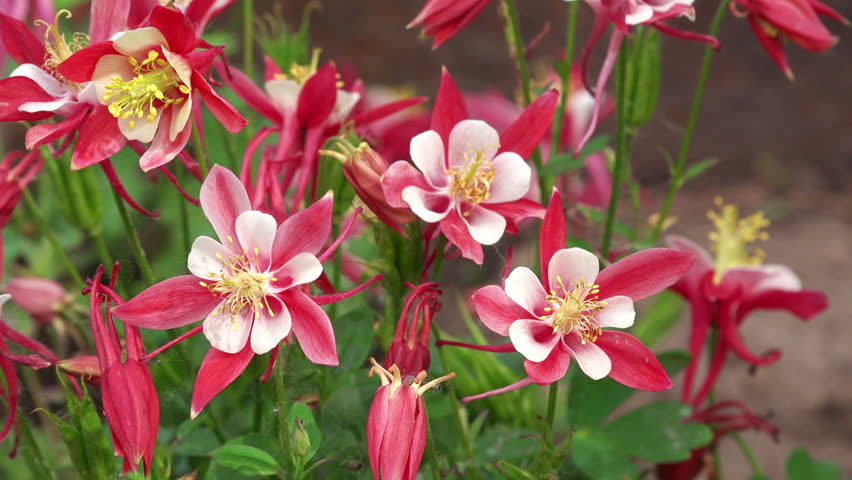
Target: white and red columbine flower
{"type": "Point", "coordinates": [145, 81]}
{"type": "Point", "coordinates": [468, 177]}
{"type": "Point", "coordinates": [568, 312]}
{"type": "Point", "coordinates": [250, 287]}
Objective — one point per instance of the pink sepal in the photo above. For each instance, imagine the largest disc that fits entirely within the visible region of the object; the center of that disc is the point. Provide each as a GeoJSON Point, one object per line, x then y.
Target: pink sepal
{"type": "Point", "coordinates": [644, 273]}
{"type": "Point", "coordinates": [525, 133]}
{"type": "Point", "coordinates": [633, 364]}
{"type": "Point", "coordinates": [218, 370]}
{"type": "Point", "coordinates": [20, 42]}
{"type": "Point", "coordinates": [172, 303]}
{"type": "Point", "coordinates": [449, 108]}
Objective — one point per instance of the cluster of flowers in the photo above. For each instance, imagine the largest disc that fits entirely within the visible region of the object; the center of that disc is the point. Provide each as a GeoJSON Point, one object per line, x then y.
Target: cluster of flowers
{"type": "Point", "coordinates": [137, 82]}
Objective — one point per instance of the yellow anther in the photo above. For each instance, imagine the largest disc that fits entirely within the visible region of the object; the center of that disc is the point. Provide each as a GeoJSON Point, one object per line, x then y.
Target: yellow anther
{"type": "Point", "coordinates": [154, 87]}
{"type": "Point", "coordinates": [733, 236]}
{"type": "Point", "coordinates": [573, 310]}
{"type": "Point", "coordinates": [471, 181]}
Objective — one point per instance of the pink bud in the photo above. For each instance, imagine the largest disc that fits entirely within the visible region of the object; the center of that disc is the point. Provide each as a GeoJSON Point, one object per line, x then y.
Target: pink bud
{"type": "Point", "coordinates": [40, 297]}
{"type": "Point", "coordinates": [85, 367]}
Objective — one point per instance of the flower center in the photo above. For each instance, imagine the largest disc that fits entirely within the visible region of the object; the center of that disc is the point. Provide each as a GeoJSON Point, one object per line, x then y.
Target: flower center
{"type": "Point", "coordinates": [57, 48]}
{"type": "Point", "coordinates": [156, 84]}
{"type": "Point", "coordinates": [472, 182]}
{"type": "Point", "coordinates": [732, 237]}
{"type": "Point", "coordinates": [242, 285]}
{"type": "Point", "coordinates": [573, 309]}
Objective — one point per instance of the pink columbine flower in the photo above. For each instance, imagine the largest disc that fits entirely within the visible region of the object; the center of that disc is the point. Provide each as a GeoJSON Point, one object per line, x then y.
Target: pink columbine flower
{"type": "Point", "coordinates": [409, 349]}
{"type": "Point", "coordinates": [443, 19]}
{"type": "Point", "coordinates": [469, 178]}
{"type": "Point", "coordinates": [568, 312]}
{"type": "Point", "coordinates": [774, 21]}
{"type": "Point", "coordinates": [722, 291]}
{"type": "Point", "coordinates": [250, 286]}
{"type": "Point", "coordinates": [145, 81]}
{"type": "Point", "coordinates": [396, 424]}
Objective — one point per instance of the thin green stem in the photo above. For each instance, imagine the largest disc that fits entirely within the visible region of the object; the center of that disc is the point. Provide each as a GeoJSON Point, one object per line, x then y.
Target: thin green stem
{"type": "Point", "coordinates": [97, 236]}
{"type": "Point", "coordinates": [551, 413]}
{"type": "Point", "coordinates": [565, 76]}
{"type": "Point", "coordinates": [281, 408]}
{"type": "Point", "coordinates": [200, 154]}
{"type": "Point", "coordinates": [432, 453]}
{"type": "Point", "coordinates": [51, 238]}
{"type": "Point", "coordinates": [133, 236]}
{"type": "Point", "coordinates": [748, 454]}
{"type": "Point", "coordinates": [621, 147]}
{"type": "Point", "coordinates": [183, 211]}
{"type": "Point", "coordinates": [31, 452]}
{"type": "Point", "coordinates": [439, 259]}
{"type": "Point", "coordinates": [517, 44]}
{"type": "Point", "coordinates": [686, 141]}
{"type": "Point", "coordinates": [248, 37]}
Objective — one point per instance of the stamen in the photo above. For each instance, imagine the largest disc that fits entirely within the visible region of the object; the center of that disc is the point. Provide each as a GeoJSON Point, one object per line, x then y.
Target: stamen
{"type": "Point", "coordinates": [573, 309]}
{"type": "Point", "coordinates": [472, 182]}
{"type": "Point", "coordinates": [732, 237]}
{"type": "Point", "coordinates": [242, 285]}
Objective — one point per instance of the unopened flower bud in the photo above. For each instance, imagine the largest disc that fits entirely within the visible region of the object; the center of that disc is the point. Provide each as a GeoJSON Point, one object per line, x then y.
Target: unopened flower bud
{"type": "Point", "coordinates": [409, 349]}
{"type": "Point", "coordinates": [85, 367]}
{"type": "Point", "coordinates": [42, 298]}
{"type": "Point", "coordinates": [301, 442]}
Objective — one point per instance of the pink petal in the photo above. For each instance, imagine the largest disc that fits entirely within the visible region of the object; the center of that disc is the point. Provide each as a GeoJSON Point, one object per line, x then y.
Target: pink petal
{"type": "Point", "coordinates": [572, 265]}
{"type": "Point", "coordinates": [318, 96]}
{"type": "Point", "coordinates": [496, 310]}
{"type": "Point", "coordinates": [633, 364]}
{"type": "Point", "coordinates": [430, 206]}
{"type": "Point", "coordinates": [618, 313]}
{"type": "Point", "coordinates": [457, 232]}
{"type": "Point", "coordinates": [18, 91]}
{"type": "Point", "coordinates": [311, 327]}
{"type": "Point", "coordinates": [223, 198]}
{"type": "Point", "coordinates": [427, 153]}
{"type": "Point", "coordinates": [593, 361]}
{"type": "Point", "coordinates": [270, 326]}
{"type": "Point", "coordinates": [486, 227]}
{"type": "Point", "coordinates": [511, 178]}
{"type": "Point", "coordinates": [163, 148]}
{"type": "Point", "coordinates": [107, 19]}
{"type": "Point", "coordinates": [20, 42]}
{"type": "Point", "coordinates": [397, 178]}
{"type": "Point", "coordinates": [644, 273]}
{"type": "Point", "coordinates": [172, 303]}
{"type": "Point", "coordinates": [207, 258]}
{"type": "Point", "coordinates": [534, 339]}
{"type": "Point", "coordinates": [175, 28]}
{"type": "Point", "coordinates": [305, 231]}
{"type": "Point", "coordinates": [396, 442]}
{"type": "Point", "coordinates": [553, 236]}
{"type": "Point", "coordinates": [218, 370]}
{"type": "Point", "coordinates": [226, 113]}
{"type": "Point", "coordinates": [80, 66]}
{"type": "Point", "coordinates": [45, 132]}
{"type": "Point", "coordinates": [779, 277]}
{"type": "Point", "coordinates": [377, 420]}
{"type": "Point", "coordinates": [299, 270]}
{"type": "Point", "coordinates": [449, 107]}
{"type": "Point", "coordinates": [418, 439]}
{"type": "Point", "coordinates": [804, 304]}
{"type": "Point", "coordinates": [525, 289]}
{"type": "Point", "coordinates": [256, 233]}
{"type": "Point", "coordinates": [551, 369]}
{"type": "Point", "coordinates": [99, 139]}
{"type": "Point", "coordinates": [469, 139]}
{"type": "Point", "coordinates": [228, 332]}
{"type": "Point", "coordinates": [525, 133]}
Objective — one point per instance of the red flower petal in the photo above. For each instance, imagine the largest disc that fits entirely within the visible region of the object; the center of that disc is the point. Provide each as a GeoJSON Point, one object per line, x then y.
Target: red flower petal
{"type": "Point", "coordinates": [99, 139]}
{"type": "Point", "coordinates": [226, 113]}
{"type": "Point", "coordinates": [20, 42]}
{"type": "Point", "coordinates": [223, 198]}
{"type": "Point", "coordinates": [80, 66]}
{"type": "Point", "coordinates": [553, 235]}
{"type": "Point", "coordinates": [218, 370]}
{"type": "Point", "coordinates": [171, 303]}
{"type": "Point", "coordinates": [304, 231]}
{"type": "Point", "coordinates": [552, 369]}
{"type": "Point", "coordinates": [16, 91]}
{"type": "Point", "coordinates": [318, 96]}
{"type": "Point", "coordinates": [107, 19]}
{"type": "Point", "coordinates": [243, 86]}
{"type": "Point", "coordinates": [175, 29]}
{"type": "Point", "coordinates": [525, 133]}
{"type": "Point", "coordinates": [496, 310]}
{"type": "Point", "coordinates": [457, 232]}
{"type": "Point", "coordinates": [804, 304]}
{"type": "Point", "coordinates": [449, 107]}
{"type": "Point", "coordinates": [311, 327]}
{"type": "Point", "coordinates": [633, 364]}
{"type": "Point", "coordinates": [644, 273]}
{"type": "Point", "coordinates": [45, 132]}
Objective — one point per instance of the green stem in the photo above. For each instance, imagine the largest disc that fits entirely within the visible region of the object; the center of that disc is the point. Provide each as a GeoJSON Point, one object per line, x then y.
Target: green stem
{"type": "Point", "coordinates": [568, 65]}
{"type": "Point", "coordinates": [133, 236]}
{"type": "Point", "coordinates": [621, 142]}
{"type": "Point", "coordinates": [248, 37]}
{"type": "Point", "coordinates": [517, 44]}
{"type": "Point", "coordinates": [183, 211]}
{"type": "Point", "coordinates": [432, 453]}
{"type": "Point", "coordinates": [551, 413]}
{"type": "Point", "coordinates": [96, 234]}
{"type": "Point", "coordinates": [32, 453]}
{"type": "Point", "coordinates": [439, 260]}
{"type": "Point", "coordinates": [686, 141]}
{"type": "Point", "coordinates": [281, 407]}
{"type": "Point", "coordinates": [749, 454]}
{"type": "Point", "coordinates": [200, 154]}
{"type": "Point", "coordinates": [51, 238]}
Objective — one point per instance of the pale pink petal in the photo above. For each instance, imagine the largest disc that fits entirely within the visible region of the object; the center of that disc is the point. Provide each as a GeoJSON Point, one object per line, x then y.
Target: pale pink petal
{"type": "Point", "coordinates": [496, 310]}
{"type": "Point", "coordinates": [137, 43]}
{"type": "Point", "coordinates": [779, 277]}
{"type": "Point", "coordinates": [223, 198]}
{"type": "Point", "coordinates": [399, 176]}
{"type": "Point", "coordinates": [572, 265]}
{"type": "Point", "coordinates": [46, 81]}
{"type": "Point", "coordinates": [486, 227]}
{"type": "Point", "coordinates": [640, 14]}
{"type": "Point", "coordinates": [427, 153]}
{"type": "Point", "coordinates": [270, 326]}
{"type": "Point", "coordinates": [172, 303]}
{"type": "Point", "coordinates": [163, 149]}
{"type": "Point", "coordinates": [430, 206]}
{"type": "Point", "coordinates": [207, 258]}
{"type": "Point", "coordinates": [311, 327]}
{"type": "Point", "coordinates": [226, 332]}
{"type": "Point", "coordinates": [524, 288]}
{"type": "Point", "coordinates": [534, 339]}
{"type": "Point", "coordinates": [593, 361]}
{"type": "Point", "coordinates": [618, 313]}
{"type": "Point", "coordinates": [511, 178]}
{"type": "Point", "coordinates": [256, 233]}
{"type": "Point", "coordinates": [301, 269]}
{"type": "Point", "coordinates": [471, 139]}
{"type": "Point", "coordinates": [110, 66]}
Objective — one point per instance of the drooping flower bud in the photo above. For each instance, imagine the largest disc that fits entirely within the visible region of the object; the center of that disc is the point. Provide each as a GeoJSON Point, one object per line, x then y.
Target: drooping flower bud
{"type": "Point", "coordinates": [409, 349]}
{"type": "Point", "coordinates": [85, 367]}
{"type": "Point", "coordinates": [42, 298]}
{"type": "Point", "coordinates": [396, 425]}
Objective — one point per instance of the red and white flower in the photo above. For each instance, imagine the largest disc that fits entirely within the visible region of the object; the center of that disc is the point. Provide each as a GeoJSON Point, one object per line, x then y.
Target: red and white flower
{"type": "Point", "coordinates": [468, 177]}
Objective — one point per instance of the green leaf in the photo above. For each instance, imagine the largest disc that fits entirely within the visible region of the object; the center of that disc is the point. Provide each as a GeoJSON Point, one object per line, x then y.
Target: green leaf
{"type": "Point", "coordinates": [512, 471]}
{"type": "Point", "coordinates": [246, 459]}
{"type": "Point", "coordinates": [598, 460]}
{"type": "Point", "coordinates": [356, 326]}
{"type": "Point", "coordinates": [504, 444]}
{"type": "Point", "coordinates": [801, 466]}
{"type": "Point", "coordinates": [643, 77]}
{"type": "Point", "coordinates": [566, 162]}
{"type": "Point", "coordinates": [656, 433]}
{"type": "Point", "coordinates": [659, 319]}
{"type": "Point", "coordinates": [299, 412]}
{"type": "Point", "coordinates": [699, 168]}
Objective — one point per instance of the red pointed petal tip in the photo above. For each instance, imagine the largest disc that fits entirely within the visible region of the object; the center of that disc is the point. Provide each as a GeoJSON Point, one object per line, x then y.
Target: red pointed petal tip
{"type": "Point", "coordinates": [175, 27]}
{"type": "Point", "coordinates": [644, 273]}
{"type": "Point", "coordinates": [525, 133]}
{"type": "Point", "coordinates": [633, 364]}
{"type": "Point", "coordinates": [318, 96]}
{"type": "Point", "coordinates": [449, 108]}
{"type": "Point", "coordinates": [80, 66]}
{"type": "Point", "coordinates": [553, 233]}
{"type": "Point", "coordinates": [20, 43]}
{"type": "Point", "coordinates": [172, 303]}
{"type": "Point", "coordinates": [218, 370]}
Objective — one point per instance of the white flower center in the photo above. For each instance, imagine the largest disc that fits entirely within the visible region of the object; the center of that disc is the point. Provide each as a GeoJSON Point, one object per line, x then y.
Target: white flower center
{"type": "Point", "coordinates": [242, 284]}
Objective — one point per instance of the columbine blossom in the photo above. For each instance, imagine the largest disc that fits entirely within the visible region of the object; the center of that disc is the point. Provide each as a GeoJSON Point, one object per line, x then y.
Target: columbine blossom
{"type": "Point", "coordinates": [722, 291]}
{"type": "Point", "coordinates": [250, 286]}
{"type": "Point", "coordinates": [469, 178]}
{"type": "Point", "coordinates": [145, 81]}
{"type": "Point", "coordinates": [567, 314]}
{"type": "Point", "coordinates": [443, 19]}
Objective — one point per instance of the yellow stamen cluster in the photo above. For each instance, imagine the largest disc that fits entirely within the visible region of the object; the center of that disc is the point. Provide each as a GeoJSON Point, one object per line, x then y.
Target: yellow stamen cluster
{"type": "Point", "coordinates": [472, 182]}
{"type": "Point", "coordinates": [156, 85]}
{"type": "Point", "coordinates": [242, 285]}
{"type": "Point", "coordinates": [573, 309]}
{"type": "Point", "coordinates": [393, 377]}
{"type": "Point", "coordinates": [730, 242]}
{"type": "Point", "coordinates": [57, 48]}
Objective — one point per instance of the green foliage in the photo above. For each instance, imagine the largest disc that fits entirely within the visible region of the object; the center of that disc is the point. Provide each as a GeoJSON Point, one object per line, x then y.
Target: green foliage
{"type": "Point", "coordinates": [656, 322]}
{"type": "Point", "coordinates": [566, 162]}
{"type": "Point", "coordinates": [281, 43]}
{"type": "Point", "coordinates": [246, 460]}
{"type": "Point", "coordinates": [643, 75]}
{"type": "Point", "coordinates": [801, 466]}
{"type": "Point", "coordinates": [305, 433]}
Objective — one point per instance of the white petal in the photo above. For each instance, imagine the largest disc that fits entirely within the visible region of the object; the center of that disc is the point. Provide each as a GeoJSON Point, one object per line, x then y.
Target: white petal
{"type": "Point", "coordinates": [268, 331]}
{"type": "Point", "coordinates": [572, 265]}
{"type": "Point", "coordinates": [284, 93]}
{"type": "Point", "coordinates": [299, 270]}
{"type": "Point", "coordinates": [779, 277]}
{"type": "Point", "coordinates": [640, 14]}
{"type": "Point", "coordinates": [470, 137]}
{"type": "Point", "coordinates": [618, 313]}
{"type": "Point", "coordinates": [533, 339]}
{"type": "Point", "coordinates": [485, 226]}
{"type": "Point", "coordinates": [4, 298]}
{"type": "Point", "coordinates": [45, 106]}
{"type": "Point", "coordinates": [344, 104]}
{"type": "Point", "coordinates": [430, 206]}
{"type": "Point", "coordinates": [511, 178]}
{"type": "Point", "coordinates": [180, 118]}
{"type": "Point", "coordinates": [142, 130]}
{"type": "Point", "coordinates": [524, 288]}
{"type": "Point", "coordinates": [46, 81]}
{"type": "Point", "coordinates": [110, 66]}
{"type": "Point", "coordinates": [593, 361]}
{"type": "Point", "coordinates": [427, 154]}
{"type": "Point", "coordinates": [256, 232]}
{"type": "Point", "coordinates": [203, 261]}
{"type": "Point", "coordinates": [137, 43]}
{"type": "Point", "coordinates": [225, 334]}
